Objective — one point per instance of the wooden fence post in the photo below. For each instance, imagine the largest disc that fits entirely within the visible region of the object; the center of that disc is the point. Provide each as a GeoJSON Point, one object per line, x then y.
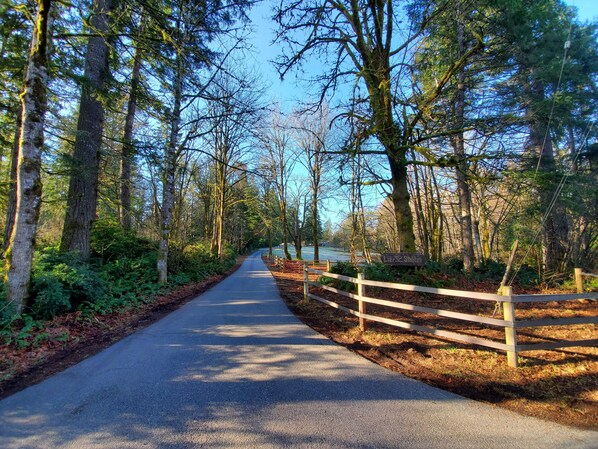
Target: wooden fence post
{"type": "Point", "coordinates": [510, 332]}
{"type": "Point", "coordinates": [578, 280]}
{"type": "Point", "coordinates": [360, 294]}
{"type": "Point", "coordinates": [328, 265]}
{"type": "Point", "coordinates": [305, 284]}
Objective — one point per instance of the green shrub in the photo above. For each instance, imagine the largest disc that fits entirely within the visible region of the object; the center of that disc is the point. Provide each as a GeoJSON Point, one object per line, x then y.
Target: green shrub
{"type": "Point", "coordinates": [528, 277]}
{"type": "Point", "coordinates": [131, 281]}
{"type": "Point", "coordinates": [491, 269]}
{"type": "Point", "coordinates": [18, 331]}
{"type": "Point", "coordinates": [455, 264]}
{"type": "Point", "coordinates": [122, 275]}
{"type": "Point", "coordinates": [61, 282]}
{"type": "Point", "coordinates": [435, 266]}
{"type": "Point", "coordinates": [7, 311]}
{"type": "Point", "coordinates": [377, 271]}
{"type": "Point", "coordinates": [51, 298]}
{"type": "Point", "coordinates": [110, 242]}
{"type": "Point", "coordinates": [197, 262]}
{"type": "Point", "coordinates": [344, 269]}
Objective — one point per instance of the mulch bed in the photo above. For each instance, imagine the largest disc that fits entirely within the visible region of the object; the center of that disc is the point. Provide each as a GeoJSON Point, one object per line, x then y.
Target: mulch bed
{"type": "Point", "coordinates": [559, 385]}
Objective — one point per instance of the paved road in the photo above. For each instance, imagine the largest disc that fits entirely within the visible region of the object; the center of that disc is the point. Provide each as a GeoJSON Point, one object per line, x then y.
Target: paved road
{"type": "Point", "coordinates": [234, 369]}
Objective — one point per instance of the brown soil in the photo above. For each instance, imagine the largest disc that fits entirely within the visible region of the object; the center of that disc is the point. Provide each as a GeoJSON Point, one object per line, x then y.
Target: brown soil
{"type": "Point", "coordinates": [559, 385]}
{"type": "Point", "coordinates": [68, 339]}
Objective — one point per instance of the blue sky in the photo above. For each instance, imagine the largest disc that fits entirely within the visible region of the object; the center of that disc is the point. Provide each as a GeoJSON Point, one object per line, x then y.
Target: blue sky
{"type": "Point", "coordinates": [587, 9]}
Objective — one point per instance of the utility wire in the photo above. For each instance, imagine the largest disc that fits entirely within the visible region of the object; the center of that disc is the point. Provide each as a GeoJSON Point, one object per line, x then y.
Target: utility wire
{"type": "Point", "coordinates": [566, 46]}
{"type": "Point", "coordinates": [554, 199]}
{"type": "Point", "coordinates": [558, 86]}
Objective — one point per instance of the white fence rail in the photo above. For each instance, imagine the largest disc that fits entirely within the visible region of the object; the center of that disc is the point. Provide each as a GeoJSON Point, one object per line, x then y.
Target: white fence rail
{"type": "Point", "coordinates": [507, 300]}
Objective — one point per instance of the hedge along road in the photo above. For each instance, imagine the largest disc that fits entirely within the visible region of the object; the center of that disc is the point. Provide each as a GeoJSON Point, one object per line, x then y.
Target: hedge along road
{"type": "Point", "coordinates": [235, 369]}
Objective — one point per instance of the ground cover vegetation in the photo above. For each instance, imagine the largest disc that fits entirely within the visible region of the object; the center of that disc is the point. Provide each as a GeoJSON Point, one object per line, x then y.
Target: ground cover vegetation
{"type": "Point", "coordinates": [139, 150]}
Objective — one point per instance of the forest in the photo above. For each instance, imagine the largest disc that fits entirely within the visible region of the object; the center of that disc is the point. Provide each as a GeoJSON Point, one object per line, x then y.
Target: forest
{"type": "Point", "coordinates": [140, 148]}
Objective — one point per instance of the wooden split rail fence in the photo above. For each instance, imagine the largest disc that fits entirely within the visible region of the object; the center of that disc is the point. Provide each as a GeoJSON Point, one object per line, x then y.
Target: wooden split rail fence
{"type": "Point", "coordinates": [297, 266]}
{"type": "Point", "coordinates": [507, 300]}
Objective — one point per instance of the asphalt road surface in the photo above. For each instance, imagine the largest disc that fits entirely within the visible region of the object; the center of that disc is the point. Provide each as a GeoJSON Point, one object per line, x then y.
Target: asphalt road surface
{"type": "Point", "coordinates": [235, 369]}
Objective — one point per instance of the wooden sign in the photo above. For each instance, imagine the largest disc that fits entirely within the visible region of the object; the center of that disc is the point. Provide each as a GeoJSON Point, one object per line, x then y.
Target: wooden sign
{"type": "Point", "coordinates": [403, 259]}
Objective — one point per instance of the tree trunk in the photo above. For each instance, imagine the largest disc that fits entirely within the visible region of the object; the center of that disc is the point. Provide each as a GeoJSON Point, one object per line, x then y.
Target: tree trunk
{"type": "Point", "coordinates": [169, 175]}
{"type": "Point", "coordinates": [297, 239]}
{"type": "Point", "coordinates": [400, 200]}
{"type": "Point", "coordinates": [477, 240]}
{"type": "Point", "coordinates": [285, 240]}
{"type": "Point", "coordinates": [462, 169]}
{"type": "Point", "coordinates": [438, 216]}
{"type": "Point", "coordinates": [29, 186]}
{"type": "Point", "coordinates": [83, 185]}
{"type": "Point", "coordinates": [419, 211]}
{"type": "Point", "coordinates": [363, 228]}
{"type": "Point", "coordinates": [314, 209]}
{"type": "Point", "coordinates": [128, 150]}
{"type": "Point", "coordinates": [207, 216]}
{"type": "Point", "coordinates": [219, 212]}
{"type": "Point", "coordinates": [11, 206]}
{"type": "Point", "coordinates": [486, 241]}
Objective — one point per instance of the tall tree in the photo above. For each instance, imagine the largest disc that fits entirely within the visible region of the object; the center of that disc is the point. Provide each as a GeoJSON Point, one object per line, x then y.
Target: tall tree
{"type": "Point", "coordinates": [31, 141]}
{"type": "Point", "coordinates": [15, 33]}
{"type": "Point", "coordinates": [364, 40]}
{"type": "Point", "coordinates": [278, 162]}
{"type": "Point", "coordinates": [312, 136]}
{"type": "Point", "coordinates": [83, 186]}
{"type": "Point", "coordinates": [554, 71]}
{"type": "Point", "coordinates": [127, 151]}
{"type": "Point", "coordinates": [446, 41]}
{"type": "Point", "coordinates": [233, 117]}
{"type": "Point", "coordinates": [458, 143]}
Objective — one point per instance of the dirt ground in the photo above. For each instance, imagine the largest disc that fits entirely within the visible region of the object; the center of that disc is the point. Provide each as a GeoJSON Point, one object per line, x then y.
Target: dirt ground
{"type": "Point", "coordinates": [559, 385]}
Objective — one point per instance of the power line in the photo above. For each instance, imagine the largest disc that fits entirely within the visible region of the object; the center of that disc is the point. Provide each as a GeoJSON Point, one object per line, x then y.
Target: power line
{"type": "Point", "coordinates": [558, 86]}
{"type": "Point", "coordinates": [554, 199]}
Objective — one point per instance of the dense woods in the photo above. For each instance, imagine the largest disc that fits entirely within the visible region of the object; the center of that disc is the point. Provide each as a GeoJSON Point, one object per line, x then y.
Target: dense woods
{"type": "Point", "coordinates": [139, 147]}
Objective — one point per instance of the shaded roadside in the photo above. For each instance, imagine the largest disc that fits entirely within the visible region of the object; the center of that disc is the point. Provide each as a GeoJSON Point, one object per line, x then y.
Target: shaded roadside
{"type": "Point", "coordinates": [23, 367]}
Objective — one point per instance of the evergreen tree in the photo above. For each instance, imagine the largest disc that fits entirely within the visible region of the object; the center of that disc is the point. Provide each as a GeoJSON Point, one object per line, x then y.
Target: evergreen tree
{"type": "Point", "coordinates": [83, 186]}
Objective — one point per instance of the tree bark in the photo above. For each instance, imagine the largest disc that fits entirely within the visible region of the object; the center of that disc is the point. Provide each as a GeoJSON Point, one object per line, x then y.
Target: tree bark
{"type": "Point", "coordinates": [83, 185]}
{"type": "Point", "coordinates": [219, 209]}
{"type": "Point", "coordinates": [285, 239]}
{"type": "Point", "coordinates": [128, 149]}
{"type": "Point", "coordinates": [437, 214]}
{"type": "Point", "coordinates": [169, 175]}
{"type": "Point", "coordinates": [462, 169]}
{"type": "Point", "coordinates": [400, 199]}
{"type": "Point", "coordinates": [29, 186]}
{"type": "Point", "coordinates": [11, 206]}
{"type": "Point", "coordinates": [314, 210]}
{"type": "Point", "coordinates": [297, 234]}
